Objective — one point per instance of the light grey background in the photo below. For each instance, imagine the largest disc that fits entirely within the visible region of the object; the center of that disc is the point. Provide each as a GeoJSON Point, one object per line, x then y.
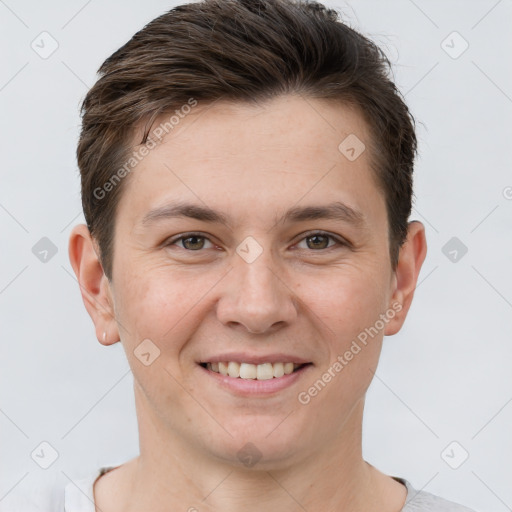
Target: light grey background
{"type": "Point", "coordinates": [445, 377]}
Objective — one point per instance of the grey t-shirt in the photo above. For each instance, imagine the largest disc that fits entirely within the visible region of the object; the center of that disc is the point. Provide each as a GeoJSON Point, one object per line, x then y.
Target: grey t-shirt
{"type": "Point", "coordinates": [421, 501]}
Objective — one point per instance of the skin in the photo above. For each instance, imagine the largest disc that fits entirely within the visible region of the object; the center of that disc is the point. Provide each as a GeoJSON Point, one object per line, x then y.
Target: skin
{"type": "Point", "coordinates": [305, 296]}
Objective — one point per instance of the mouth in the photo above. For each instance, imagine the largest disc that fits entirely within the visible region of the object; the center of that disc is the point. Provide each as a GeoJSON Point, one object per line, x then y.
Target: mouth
{"type": "Point", "coordinates": [248, 371]}
{"type": "Point", "coordinates": [258, 379]}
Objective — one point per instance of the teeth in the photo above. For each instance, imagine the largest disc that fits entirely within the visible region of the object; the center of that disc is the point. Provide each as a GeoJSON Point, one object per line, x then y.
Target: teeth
{"type": "Point", "coordinates": [278, 370]}
{"type": "Point", "coordinates": [247, 371]}
{"type": "Point", "coordinates": [223, 368]}
{"type": "Point", "coordinates": [262, 371]}
{"type": "Point", "coordinates": [288, 368]}
{"type": "Point", "coordinates": [233, 369]}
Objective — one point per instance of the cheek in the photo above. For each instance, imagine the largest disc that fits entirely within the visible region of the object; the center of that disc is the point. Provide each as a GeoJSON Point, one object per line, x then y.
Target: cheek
{"type": "Point", "coordinates": [156, 307]}
{"type": "Point", "coordinates": [349, 305]}
{"type": "Point", "coordinates": [164, 305]}
{"type": "Point", "coordinates": [347, 301]}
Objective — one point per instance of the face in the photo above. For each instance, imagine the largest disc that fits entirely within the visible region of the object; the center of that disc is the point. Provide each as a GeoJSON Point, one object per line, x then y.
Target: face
{"type": "Point", "coordinates": [271, 280]}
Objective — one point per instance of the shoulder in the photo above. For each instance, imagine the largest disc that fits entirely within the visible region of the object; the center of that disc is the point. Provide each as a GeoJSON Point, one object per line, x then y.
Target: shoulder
{"type": "Point", "coordinates": [79, 495]}
{"type": "Point", "coordinates": [422, 501]}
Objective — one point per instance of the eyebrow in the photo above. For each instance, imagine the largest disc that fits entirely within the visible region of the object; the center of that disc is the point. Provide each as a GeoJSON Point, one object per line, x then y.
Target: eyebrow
{"type": "Point", "coordinates": [336, 211]}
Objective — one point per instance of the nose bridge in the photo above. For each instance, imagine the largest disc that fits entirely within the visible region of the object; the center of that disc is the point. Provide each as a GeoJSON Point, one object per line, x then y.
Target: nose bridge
{"type": "Point", "coordinates": [259, 298]}
{"type": "Point", "coordinates": [259, 278]}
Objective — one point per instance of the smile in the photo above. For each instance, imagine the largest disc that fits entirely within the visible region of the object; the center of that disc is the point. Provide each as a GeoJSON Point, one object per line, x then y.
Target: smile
{"type": "Point", "coordinates": [263, 371]}
{"type": "Point", "coordinates": [266, 385]}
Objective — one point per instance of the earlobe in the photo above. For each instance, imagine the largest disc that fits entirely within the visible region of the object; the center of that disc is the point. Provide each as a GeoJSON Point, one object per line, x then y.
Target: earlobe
{"type": "Point", "coordinates": [94, 285]}
{"type": "Point", "coordinates": [411, 258]}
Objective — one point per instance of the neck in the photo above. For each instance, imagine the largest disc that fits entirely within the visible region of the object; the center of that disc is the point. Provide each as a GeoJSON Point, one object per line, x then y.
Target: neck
{"type": "Point", "coordinates": [173, 473]}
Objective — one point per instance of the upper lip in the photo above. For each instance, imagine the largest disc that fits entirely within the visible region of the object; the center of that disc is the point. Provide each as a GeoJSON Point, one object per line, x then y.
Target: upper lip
{"type": "Point", "coordinates": [243, 357]}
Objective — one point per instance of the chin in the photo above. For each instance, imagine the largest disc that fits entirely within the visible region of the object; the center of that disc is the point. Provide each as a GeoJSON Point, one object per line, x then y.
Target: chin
{"type": "Point", "coordinates": [260, 443]}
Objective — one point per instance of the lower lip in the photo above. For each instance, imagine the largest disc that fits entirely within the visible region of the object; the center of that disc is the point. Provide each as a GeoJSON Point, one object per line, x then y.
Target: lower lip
{"type": "Point", "coordinates": [254, 387]}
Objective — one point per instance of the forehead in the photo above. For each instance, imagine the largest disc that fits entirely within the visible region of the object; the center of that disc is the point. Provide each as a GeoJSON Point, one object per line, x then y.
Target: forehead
{"type": "Point", "coordinates": [258, 158]}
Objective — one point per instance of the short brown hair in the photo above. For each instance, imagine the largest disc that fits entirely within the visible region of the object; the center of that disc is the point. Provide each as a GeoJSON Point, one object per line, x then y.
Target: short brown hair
{"type": "Point", "coordinates": [241, 51]}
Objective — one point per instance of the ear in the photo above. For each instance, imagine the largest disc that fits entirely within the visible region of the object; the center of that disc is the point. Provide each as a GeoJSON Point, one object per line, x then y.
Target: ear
{"type": "Point", "coordinates": [411, 257]}
{"type": "Point", "coordinates": [94, 285]}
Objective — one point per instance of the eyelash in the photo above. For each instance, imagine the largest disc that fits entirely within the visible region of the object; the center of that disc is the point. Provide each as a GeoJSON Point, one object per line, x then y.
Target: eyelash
{"type": "Point", "coordinates": [339, 241]}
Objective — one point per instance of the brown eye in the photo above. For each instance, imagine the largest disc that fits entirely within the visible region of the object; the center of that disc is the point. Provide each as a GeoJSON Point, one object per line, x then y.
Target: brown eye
{"type": "Point", "coordinates": [320, 241]}
{"type": "Point", "coordinates": [192, 242]}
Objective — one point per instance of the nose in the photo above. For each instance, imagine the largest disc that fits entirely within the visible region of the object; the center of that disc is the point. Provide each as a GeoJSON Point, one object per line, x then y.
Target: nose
{"type": "Point", "coordinates": [256, 296]}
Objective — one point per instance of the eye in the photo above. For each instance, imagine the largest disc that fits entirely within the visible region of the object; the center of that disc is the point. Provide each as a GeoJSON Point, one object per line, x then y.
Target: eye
{"type": "Point", "coordinates": [191, 241]}
{"type": "Point", "coordinates": [194, 242]}
{"type": "Point", "coordinates": [319, 240]}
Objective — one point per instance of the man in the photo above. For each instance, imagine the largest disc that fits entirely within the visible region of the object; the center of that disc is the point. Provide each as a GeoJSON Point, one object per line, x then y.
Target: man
{"type": "Point", "coordinates": [246, 180]}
